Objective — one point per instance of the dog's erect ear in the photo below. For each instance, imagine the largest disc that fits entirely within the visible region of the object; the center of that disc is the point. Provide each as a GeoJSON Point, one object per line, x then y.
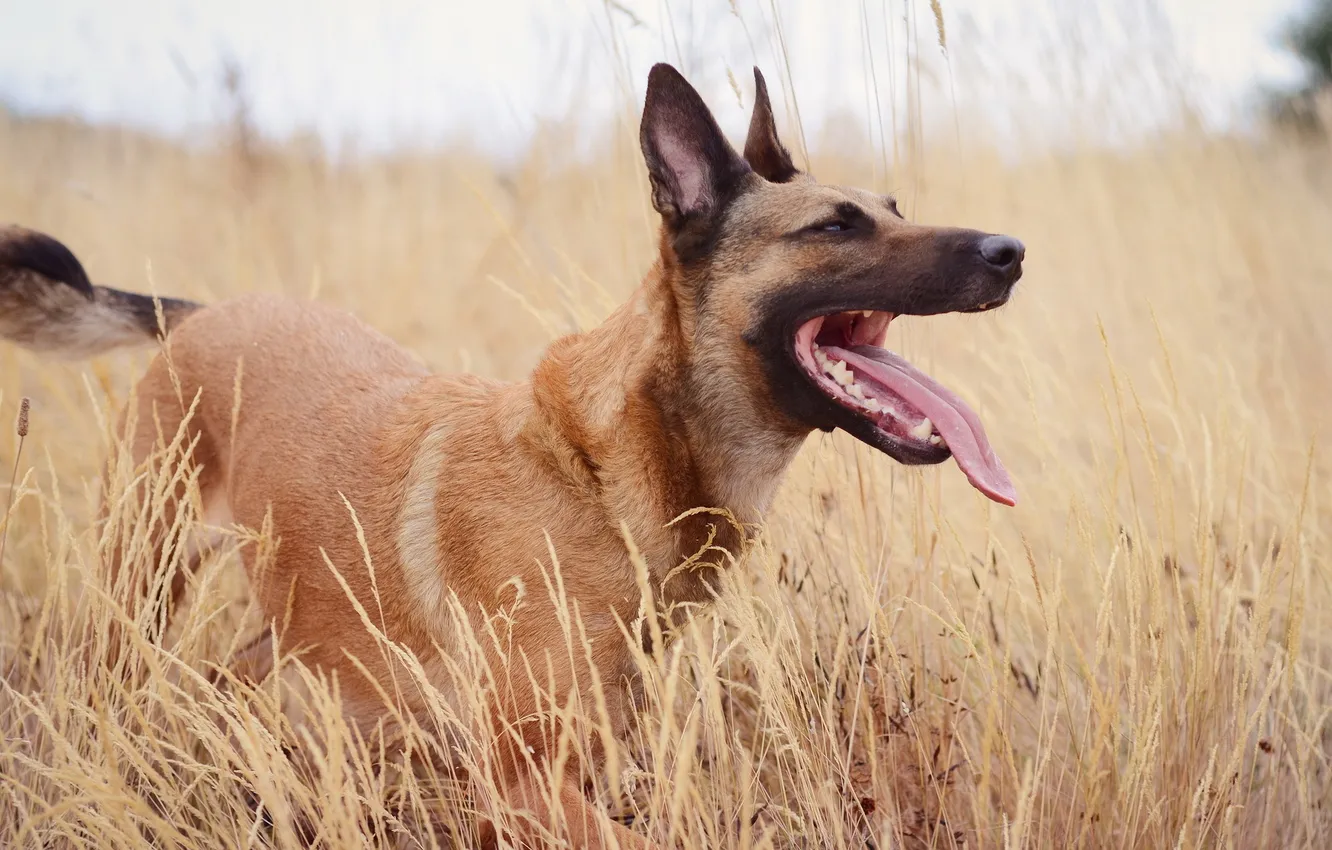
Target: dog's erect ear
{"type": "Point", "coordinates": [694, 171]}
{"type": "Point", "coordinates": [763, 150]}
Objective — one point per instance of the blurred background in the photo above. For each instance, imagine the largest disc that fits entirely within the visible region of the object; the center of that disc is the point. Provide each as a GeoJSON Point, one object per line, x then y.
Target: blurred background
{"type": "Point", "coordinates": [414, 73]}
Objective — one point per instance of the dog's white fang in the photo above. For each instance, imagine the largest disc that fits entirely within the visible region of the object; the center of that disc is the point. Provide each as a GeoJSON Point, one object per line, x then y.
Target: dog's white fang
{"type": "Point", "coordinates": [923, 430]}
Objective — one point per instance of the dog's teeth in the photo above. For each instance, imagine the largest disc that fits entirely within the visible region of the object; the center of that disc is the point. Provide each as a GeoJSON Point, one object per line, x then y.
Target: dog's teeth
{"type": "Point", "coordinates": [843, 375]}
{"type": "Point", "coordinates": [856, 391]}
{"type": "Point", "coordinates": [923, 430]}
{"type": "Point", "coordinates": [936, 440]}
{"type": "Point", "coordinates": [867, 313]}
{"type": "Point", "coordinates": [873, 405]}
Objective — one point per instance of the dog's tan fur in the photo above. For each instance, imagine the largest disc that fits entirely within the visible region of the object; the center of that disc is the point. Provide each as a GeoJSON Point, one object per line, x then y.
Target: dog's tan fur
{"type": "Point", "coordinates": [457, 481]}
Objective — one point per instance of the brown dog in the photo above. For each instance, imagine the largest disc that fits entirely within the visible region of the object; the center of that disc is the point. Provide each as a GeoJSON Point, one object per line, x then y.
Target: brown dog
{"type": "Point", "coordinates": [760, 321]}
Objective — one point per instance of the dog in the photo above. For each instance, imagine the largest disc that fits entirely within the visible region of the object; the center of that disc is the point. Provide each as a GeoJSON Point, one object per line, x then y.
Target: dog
{"type": "Point", "coordinates": [760, 321]}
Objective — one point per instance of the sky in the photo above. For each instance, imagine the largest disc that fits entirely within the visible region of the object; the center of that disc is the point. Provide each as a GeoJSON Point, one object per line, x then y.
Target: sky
{"type": "Point", "coordinates": [420, 72]}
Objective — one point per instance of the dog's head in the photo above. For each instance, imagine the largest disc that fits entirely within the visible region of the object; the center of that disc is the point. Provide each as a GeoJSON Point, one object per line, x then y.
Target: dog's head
{"type": "Point", "coordinates": [786, 286]}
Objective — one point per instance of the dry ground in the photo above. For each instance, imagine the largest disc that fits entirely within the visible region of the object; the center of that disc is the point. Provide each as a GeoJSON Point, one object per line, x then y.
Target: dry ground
{"type": "Point", "coordinates": [1136, 656]}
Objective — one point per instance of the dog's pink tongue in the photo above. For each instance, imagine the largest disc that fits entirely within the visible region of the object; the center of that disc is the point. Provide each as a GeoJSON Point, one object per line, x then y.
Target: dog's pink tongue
{"type": "Point", "coordinates": [956, 423]}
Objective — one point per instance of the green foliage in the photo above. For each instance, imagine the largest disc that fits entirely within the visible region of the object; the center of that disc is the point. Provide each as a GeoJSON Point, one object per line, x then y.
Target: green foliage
{"type": "Point", "coordinates": [1311, 39]}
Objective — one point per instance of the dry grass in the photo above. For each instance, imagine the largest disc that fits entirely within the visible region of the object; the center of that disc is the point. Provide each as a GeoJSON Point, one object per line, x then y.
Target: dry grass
{"type": "Point", "coordinates": [1137, 656]}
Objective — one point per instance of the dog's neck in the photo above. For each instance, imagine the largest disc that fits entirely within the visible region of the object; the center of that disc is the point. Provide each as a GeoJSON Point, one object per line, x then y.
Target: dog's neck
{"type": "Point", "coordinates": [630, 403]}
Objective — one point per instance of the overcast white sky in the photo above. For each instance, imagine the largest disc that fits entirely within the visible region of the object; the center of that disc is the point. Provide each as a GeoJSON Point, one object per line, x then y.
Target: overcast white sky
{"type": "Point", "coordinates": [424, 70]}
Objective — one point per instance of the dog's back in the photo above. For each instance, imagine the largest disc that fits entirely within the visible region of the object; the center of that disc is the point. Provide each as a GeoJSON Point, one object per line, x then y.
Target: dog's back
{"type": "Point", "coordinates": [299, 415]}
{"type": "Point", "coordinates": [289, 407]}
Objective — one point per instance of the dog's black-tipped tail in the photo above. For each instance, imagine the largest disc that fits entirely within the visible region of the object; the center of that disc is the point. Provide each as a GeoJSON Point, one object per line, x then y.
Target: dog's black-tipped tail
{"type": "Point", "coordinates": [48, 304]}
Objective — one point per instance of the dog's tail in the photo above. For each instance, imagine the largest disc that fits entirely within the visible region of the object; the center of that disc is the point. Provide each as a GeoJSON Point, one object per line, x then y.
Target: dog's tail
{"type": "Point", "coordinates": [48, 304]}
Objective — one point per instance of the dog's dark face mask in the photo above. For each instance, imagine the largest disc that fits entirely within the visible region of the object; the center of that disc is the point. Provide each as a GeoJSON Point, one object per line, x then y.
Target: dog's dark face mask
{"type": "Point", "coordinates": [790, 285]}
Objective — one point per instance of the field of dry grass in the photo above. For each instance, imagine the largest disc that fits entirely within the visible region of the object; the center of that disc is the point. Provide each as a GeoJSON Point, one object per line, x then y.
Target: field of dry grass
{"type": "Point", "coordinates": [1136, 656]}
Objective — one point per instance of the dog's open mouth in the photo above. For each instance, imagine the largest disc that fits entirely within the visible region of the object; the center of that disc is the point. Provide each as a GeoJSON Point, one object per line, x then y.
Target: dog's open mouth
{"type": "Point", "coordinates": [920, 419]}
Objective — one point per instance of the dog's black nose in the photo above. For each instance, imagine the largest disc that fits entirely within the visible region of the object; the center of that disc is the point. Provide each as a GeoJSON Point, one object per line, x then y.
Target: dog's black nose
{"type": "Point", "coordinates": [1002, 252]}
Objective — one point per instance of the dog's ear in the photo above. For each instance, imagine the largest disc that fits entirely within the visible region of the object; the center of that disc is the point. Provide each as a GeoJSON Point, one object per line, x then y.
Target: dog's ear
{"type": "Point", "coordinates": [694, 171]}
{"type": "Point", "coordinates": [763, 150]}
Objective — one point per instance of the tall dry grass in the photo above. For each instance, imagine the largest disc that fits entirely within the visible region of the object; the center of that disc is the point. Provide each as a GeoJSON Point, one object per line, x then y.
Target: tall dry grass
{"type": "Point", "coordinates": [1136, 656]}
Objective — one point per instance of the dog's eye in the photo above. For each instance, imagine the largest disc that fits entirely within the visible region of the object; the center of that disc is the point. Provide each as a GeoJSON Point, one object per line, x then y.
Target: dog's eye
{"type": "Point", "coordinates": [834, 226]}
{"type": "Point", "coordinates": [846, 219]}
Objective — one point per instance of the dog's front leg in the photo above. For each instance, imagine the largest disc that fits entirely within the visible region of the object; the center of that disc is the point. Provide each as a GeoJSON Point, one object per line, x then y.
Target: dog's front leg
{"type": "Point", "coordinates": [584, 826]}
